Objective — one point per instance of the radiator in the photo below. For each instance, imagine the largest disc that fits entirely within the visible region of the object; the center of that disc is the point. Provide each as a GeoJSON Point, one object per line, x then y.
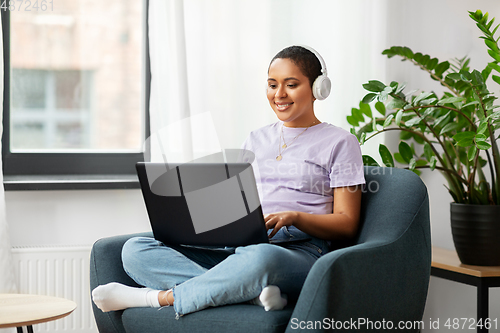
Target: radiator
{"type": "Point", "coordinates": [62, 272]}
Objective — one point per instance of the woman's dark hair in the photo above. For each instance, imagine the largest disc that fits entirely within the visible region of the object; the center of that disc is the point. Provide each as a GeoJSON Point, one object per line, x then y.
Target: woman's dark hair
{"type": "Point", "coordinates": [304, 59]}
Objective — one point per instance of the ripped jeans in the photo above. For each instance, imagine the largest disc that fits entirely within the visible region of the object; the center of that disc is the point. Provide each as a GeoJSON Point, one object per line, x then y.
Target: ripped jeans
{"type": "Point", "coordinates": [203, 277]}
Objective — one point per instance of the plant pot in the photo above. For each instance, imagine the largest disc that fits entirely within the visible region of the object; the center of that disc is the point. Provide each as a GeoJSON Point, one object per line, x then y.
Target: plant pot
{"type": "Point", "coordinates": [476, 233]}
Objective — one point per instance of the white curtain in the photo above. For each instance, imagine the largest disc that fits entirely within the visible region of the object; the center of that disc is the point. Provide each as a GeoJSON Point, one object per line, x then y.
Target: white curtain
{"type": "Point", "coordinates": [209, 61]}
{"type": "Point", "coordinates": [7, 279]}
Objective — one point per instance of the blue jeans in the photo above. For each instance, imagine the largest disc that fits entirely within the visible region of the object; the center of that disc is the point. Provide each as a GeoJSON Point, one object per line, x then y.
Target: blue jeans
{"type": "Point", "coordinates": [203, 277]}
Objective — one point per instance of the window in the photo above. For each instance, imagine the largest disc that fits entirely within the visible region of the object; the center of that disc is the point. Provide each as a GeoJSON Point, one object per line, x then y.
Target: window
{"type": "Point", "coordinates": [50, 109]}
{"type": "Point", "coordinates": [76, 77]}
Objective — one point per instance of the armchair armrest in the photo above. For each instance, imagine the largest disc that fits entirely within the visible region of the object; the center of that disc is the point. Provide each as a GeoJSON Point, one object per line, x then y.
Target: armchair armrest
{"type": "Point", "coordinates": [106, 266]}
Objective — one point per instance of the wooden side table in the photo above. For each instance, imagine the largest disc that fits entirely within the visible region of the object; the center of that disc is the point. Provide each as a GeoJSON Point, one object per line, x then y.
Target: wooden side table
{"type": "Point", "coordinates": [17, 310]}
{"type": "Point", "coordinates": [447, 265]}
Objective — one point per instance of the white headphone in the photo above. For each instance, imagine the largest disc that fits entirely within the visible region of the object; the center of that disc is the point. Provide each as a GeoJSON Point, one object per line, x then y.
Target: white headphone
{"type": "Point", "coordinates": [322, 85]}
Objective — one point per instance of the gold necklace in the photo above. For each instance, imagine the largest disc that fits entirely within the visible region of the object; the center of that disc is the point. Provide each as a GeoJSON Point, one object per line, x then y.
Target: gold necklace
{"type": "Point", "coordinates": [285, 145]}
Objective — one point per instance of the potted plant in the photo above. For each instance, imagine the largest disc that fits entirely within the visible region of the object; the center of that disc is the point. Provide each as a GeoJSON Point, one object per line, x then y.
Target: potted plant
{"type": "Point", "coordinates": [453, 132]}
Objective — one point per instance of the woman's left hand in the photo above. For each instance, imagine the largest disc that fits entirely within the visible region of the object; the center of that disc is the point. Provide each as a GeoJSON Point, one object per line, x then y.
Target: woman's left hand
{"type": "Point", "coordinates": [277, 220]}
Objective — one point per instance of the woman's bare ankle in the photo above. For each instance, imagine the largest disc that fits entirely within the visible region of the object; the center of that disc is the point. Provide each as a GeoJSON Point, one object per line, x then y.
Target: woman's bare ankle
{"type": "Point", "coordinates": [166, 298]}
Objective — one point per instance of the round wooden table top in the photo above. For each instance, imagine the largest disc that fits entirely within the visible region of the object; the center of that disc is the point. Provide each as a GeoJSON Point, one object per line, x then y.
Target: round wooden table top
{"type": "Point", "coordinates": [18, 310]}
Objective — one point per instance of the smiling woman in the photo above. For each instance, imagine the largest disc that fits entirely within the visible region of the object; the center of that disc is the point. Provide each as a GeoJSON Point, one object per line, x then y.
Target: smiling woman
{"type": "Point", "coordinates": [295, 207]}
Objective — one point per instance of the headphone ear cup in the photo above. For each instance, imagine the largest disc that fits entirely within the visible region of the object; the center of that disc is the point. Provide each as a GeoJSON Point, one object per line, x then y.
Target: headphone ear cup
{"type": "Point", "coordinates": [321, 87]}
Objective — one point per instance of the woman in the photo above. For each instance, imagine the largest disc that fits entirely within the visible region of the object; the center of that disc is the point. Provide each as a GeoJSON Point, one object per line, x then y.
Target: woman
{"type": "Point", "coordinates": [303, 165]}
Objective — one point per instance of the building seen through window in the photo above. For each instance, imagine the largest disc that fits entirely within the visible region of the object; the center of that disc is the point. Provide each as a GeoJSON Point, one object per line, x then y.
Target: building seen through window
{"type": "Point", "coordinates": [76, 77]}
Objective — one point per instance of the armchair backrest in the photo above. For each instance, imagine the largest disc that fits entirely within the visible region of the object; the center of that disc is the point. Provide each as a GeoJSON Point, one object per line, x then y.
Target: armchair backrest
{"type": "Point", "coordinates": [391, 200]}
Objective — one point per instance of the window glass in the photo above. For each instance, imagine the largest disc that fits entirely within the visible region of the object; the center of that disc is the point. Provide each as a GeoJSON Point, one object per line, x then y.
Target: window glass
{"type": "Point", "coordinates": [77, 78]}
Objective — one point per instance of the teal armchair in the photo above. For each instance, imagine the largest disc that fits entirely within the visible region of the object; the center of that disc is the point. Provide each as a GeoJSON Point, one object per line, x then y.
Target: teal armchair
{"type": "Point", "coordinates": [380, 278]}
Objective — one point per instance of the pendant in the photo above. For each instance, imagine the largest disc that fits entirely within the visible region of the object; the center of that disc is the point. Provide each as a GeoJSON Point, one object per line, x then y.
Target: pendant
{"type": "Point", "coordinates": [278, 158]}
{"type": "Point", "coordinates": [284, 146]}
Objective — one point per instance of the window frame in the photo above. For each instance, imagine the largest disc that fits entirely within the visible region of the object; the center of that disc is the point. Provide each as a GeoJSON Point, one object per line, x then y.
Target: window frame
{"type": "Point", "coordinates": [53, 165]}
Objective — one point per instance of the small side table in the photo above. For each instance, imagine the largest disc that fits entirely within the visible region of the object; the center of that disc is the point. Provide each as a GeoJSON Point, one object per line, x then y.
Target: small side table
{"type": "Point", "coordinates": [17, 310]}
{"type": "Point", "coordinates": [447, 265]}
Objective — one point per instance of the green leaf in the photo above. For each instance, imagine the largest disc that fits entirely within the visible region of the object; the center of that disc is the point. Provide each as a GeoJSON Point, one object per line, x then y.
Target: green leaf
{"type": "Point", "coordinates": [433, 162]}
{"type": "Point", "coordinates": [412, 164]}
{"type": "Point", "coordinates": [369, 97]}
{"type": "Point", "coordinates": [432, 64]}
{"type": "Point", "coordinates": [494, 55]}
{"type": "Point", "coordinates": [398, 117]}
{"type": "Point", "coordinates": [424, 60]}
{"type": "Point", "coordinates": [465, 77]}
{"type": "Point", "coordinates": [454, 76]}
{"type": "Point", "coordinates": [441, 121]}
{"type": "Point", "coordinates": [492, 45]}
{"type": "Point", "coordinates": [380, 108]}
{"type": "Point", "coordinates": [400, 88]}
{"type": "Point", "coordinates": [395, 104]}
{"type": "Point", "coordinates": [428, 152]}
{"type": "Point", "coordinates": [428, 101]}
{"type": "Point", "coordinates": [451, 100]}
{"type": "Point", "coordinates": [418, 138]}
{"type": "Point", "coordinates": [357, 114]}
{"type": "Point", "coordinates": [388, 121]}
{"type": "Point", "coordinates": [399, 158]}
{"type": "Point", "coordinates": [389, 52]}
{"type": "Point", "coordinates": [422, 163]}
{"type": "Point", "coordinates": [422, 96]}
{"type": "Point", "coordinates": [366, 109]}
{"type": "Point", "coordinates": [407, 52]}
{"type": "Point", "coordinates": [405, 135]}
{"type": "Point", "coordinates": [450, 127]}
{"type": "Point", "coordinates": [477, 78]}
{"type": "Point", "coordinates": [471, 153]}
{"type": "Point", "coordinates": [483, 126]}
{"type": "Point", "coordinates": [464, 135]}
{"type": "Point", "coordinates": [465, 142]}
{"type": "Point", "coordinates": [494, 66]}
{"type": "Point", "coordinates": [352, 121]}
{"type": "Point", "coordinates": [386, 156]}
{"type": "Point", "coordinates": [405, 151]}
{"type": "Point", "coordinates": [481, 137]}
{"type": "Point", "coordinates": [483, 145]}
{"type": "Point", "coordinates": [495, 30]}
{"type": "Point", "coordinates": [470, 103]}
{"type": "Point", "coordinates": [441, 68]}
{"type": "Point", "coordinates": [496, 78]}
{"type": "Point", "coordinates": [369, 161]}
{"type": "Point", "coordinates": [384, 94]}
{"type": "Point", "coordinates": [413, 122]}
{"type": "Point", "coordinates": [374, 86]}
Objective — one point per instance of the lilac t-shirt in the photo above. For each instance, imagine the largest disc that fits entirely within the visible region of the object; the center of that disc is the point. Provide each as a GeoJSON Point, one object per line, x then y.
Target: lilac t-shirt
{"type": "Point", "coordinates": [321, 158]}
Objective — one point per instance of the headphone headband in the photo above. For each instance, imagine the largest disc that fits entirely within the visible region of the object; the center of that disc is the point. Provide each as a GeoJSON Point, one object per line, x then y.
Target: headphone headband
{"type": "Point", "coordinates": [320, 58]}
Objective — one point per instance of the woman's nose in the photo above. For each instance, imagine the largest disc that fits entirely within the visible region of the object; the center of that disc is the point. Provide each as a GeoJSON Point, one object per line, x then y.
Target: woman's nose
{"type": "Point", "coordinates": [280, 92]}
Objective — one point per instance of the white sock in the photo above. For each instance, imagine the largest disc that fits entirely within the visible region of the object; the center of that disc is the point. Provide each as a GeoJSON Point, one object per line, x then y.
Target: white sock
{"type": "Point", "coordinates": [116, 296]}
{"type": "Point", "coordinates": [271, 299]}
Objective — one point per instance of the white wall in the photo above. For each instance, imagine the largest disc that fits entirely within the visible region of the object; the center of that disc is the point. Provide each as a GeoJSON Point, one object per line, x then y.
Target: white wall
{"type": "Point", "coordinates": [443, 29]}
{"type": "Point", "coordinates": [79, 217]}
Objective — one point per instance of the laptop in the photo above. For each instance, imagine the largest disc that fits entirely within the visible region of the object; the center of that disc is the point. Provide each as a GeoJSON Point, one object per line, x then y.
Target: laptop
{"type": "Point", "coordinates": [204, 204]}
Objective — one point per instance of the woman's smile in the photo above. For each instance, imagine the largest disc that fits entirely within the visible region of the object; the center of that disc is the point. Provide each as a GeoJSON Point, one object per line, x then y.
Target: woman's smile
{"type": "Point", "coordinates": [283, 106]}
